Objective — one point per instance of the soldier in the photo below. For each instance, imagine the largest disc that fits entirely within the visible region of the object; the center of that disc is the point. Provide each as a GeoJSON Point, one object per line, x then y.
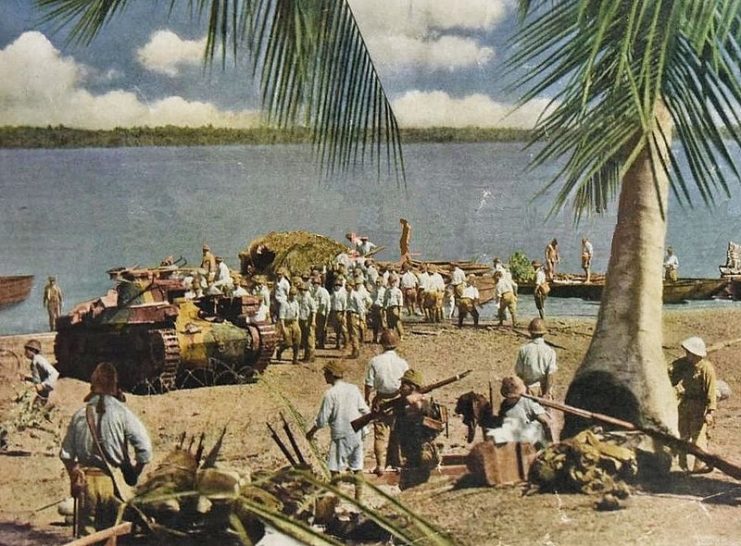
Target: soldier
{"type": "Point", "coordinates": [552, 257]}
{"type": "Point", "coordinates": [416, 426]}
{"type": "Point", "coordinates": [209, 264]}
{"type": "Point", "coordinates": [341, 404]}
{"type": "Point", "coordinates": [53, 299]}
{"type": "Point", "coordinates": [43, 375]}
{"type": "Point", "coordinates": [224, 281]}
{"type": "Point", "coordinates": [468, 301]}
{"type": "Point", "coordinates": [383, 376]}
{"type": "Point", "coordinates": [306, 320]}
{"type": "Point", "coordinates": [321, 296]}
{"type": "Point", "coordinates": [106, 417]}
{"type": "Point", "coordinates": [406, 236]}
{"type": "Point", "coordinates": [531, 417]}
{"type": "Point", "coordinates": [393, 302]}
{"type": "Point", "coordinates": [409, 283]}
{"type": "Point", "coordinates": [693, 377]}
{"type": "Point", "coordinates": [457, 279]}
{"type": "Point", "coordinates": [337, 313]}
{"type": "Point", "coordinates": [536, 361]}
{"type": "Point", "coordinates": [288, 320]}
{"type": "Point", "coordinates": [542, 288]}
{"type": "Point", "coordinates": [378, 312]}
{"type": "Point", "coordinates": [423, 285]}
{"type": "Point", "coordinates": [506, 298]}
{"type": "Point", "coordinates": [436, 294]}
{"type": "Point", "coordinates": [671, 266]}
{"type": "Point", "coordinates": [260, 290]}
{"type": "Point", "coordinates": [587, 251]}
{"type": "Point", "coordinates": [356, 309]}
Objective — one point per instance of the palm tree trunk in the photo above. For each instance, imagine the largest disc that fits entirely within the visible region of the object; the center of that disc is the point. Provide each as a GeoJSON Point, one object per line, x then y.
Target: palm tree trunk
{"type": "Point", "coordinates": [624, 373]}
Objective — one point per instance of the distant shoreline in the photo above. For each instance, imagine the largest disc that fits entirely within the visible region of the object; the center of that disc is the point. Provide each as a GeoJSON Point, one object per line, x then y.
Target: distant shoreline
{"type": "Point", "coordinates": [68, 137]}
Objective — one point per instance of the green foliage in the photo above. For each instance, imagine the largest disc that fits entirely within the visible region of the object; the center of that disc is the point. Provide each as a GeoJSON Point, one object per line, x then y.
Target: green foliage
{"type": "Point", "coordinates": [521, 268]}
{"type": "Point", "coordinates": [609, 66]}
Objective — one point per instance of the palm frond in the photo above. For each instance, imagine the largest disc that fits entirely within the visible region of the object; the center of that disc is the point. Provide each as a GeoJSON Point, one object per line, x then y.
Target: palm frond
{"type": "Point", "coordinates": [312, 63]}
{"type": "Point", "coordinates": [609, 64]}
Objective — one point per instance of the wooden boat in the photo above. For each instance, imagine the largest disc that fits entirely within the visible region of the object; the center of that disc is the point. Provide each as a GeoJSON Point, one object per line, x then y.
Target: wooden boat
{"type": "Point", "coordinates": [677, 292]}
{"type": "Point", "coordinates": [15, 289]}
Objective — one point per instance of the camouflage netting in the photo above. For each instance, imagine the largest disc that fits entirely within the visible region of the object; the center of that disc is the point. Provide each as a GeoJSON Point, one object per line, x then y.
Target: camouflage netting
{"type": "Point", "coordinates": [297, 251]}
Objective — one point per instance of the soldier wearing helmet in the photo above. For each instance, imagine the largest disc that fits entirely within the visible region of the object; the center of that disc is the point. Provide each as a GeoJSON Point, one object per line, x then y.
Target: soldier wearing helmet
{"type": "Point", "coordinates": [383, 377]}
{"type": "Point", "coordinates": [416, 426]}
{"type": "Point", "coordinates": [289, 326]}
{"type": "Point", "coordinates": [341, 404]}
{"type": "Point", "coordinates": [208, 262]}
{"type": "Point", "coordinates": [53, 299]}
{"type": "Point", "coordinates": [530, 418]}
{"type": "Point", "coordinates": [468, 300]}
{"type": "Point", "coordinates": [43, 375]}
{"type": "Point", "coordinates": [536, 361]}
{"type": "Point", "coordinates": [693, 378]}
{"type": "Point", "coordinates": [542, 288]}
{"type": "Point", "coordinates": [393, 302]}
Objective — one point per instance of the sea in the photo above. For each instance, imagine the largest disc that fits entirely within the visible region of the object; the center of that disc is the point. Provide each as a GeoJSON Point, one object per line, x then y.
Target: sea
{"type": "Point", "coordinates": [76, 213]}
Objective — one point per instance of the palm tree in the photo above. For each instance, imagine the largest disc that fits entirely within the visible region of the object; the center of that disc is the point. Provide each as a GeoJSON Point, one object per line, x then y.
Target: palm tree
{"type": "Point", "coordinates": [625, 75]}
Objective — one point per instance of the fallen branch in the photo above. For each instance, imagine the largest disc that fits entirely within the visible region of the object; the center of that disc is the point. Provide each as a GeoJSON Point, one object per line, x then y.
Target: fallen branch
{"type": "Point", "coordinates": [121, 529]}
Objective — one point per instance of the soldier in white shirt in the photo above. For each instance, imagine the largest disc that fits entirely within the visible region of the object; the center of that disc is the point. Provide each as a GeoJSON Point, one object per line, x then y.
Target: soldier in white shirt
{"type": "Point", "coordinates": [671, 266]}
{"type": "Point", "coordinates": [356, 308]}
{"type": "Point", "coordinates": [506, 298]}
{"type": "Point", "coordinates": [468, 301]}
{"type": "Point", "coordinates": [436, 294]}
{"type": "Point", "coordinates": [542, 288]}
{"type": "Point", "coordinates": [321, 296]}
{"type": "Point", "coordinates": [288, 320]}
{"type": "Point", "coordinates": [371, 271]}
{"type": "Point", "coordinates": [394, 301]}
{"type": "Point", "coordinates": [423, 278]}
{"type": "Point", "coordinates": [536, 361]}
{"type": "Point", "coordinates": [383, 377]}
{"type": "Point", "coordinates": [457, 278]}
{"type": "Point", "coordinates": [378, 312]}
{"type": "Point", "coordinates": [224, 281]}
{"type": "Point", "coordinates": [587, 251]}
{"type": "Point", "coordinates": [409, 284]}
{"type": "Point", "coordinates": [337, 313]}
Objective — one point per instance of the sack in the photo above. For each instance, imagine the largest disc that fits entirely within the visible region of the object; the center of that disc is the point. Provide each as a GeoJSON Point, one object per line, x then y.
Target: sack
{"type": "Point", "coordinates": [131, 476]}
{"type": "Point", "coordinates": [77, 481]}
{"type": "Point", "coordinates": [544, 288]}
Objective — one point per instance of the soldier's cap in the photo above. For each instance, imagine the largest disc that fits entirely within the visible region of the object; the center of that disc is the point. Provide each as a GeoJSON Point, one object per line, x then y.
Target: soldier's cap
{"type": "Point", "coordinates": [413, 377]}
{"type": "Point", "coordinates": [696, 346]}
{"type": "Point", "coordinates": [471, 277]}
{"type": "Point", "coordinates": [389, 340]}
{"type": "Point", "coordinates": [364, 238]}
{"type": "Point", "coordinates": [206, 247]}
{"type": "Point", "coordinates": [537, 327]}
{"type": "Point", "coordinates": [512, 387]}
{"type": "Point", "coordinates": [33, 345]}
{"type": "Point", "coordinates": [219, 259]}
{"type": "Point", "coordinates": [536, 263]}
{"type": "Point", "coordinates": [496, 260]}
{"type": "Point", "coordinates": [52, 279]}
{"type": "Point", "coordinates": [338, 281]}
{"type": "Point", "coordinates": [335, 368]}
{"type": "Point", "coordinates": [260, 279]}
{"type": "Point", "coordinates": [292, 291]}
{"type": "Point", "coordinates": [282, 271]}
{"type": "Point", "coordinates": [303, 286]}
{"type": "Point", "coordinates": [104, 380]}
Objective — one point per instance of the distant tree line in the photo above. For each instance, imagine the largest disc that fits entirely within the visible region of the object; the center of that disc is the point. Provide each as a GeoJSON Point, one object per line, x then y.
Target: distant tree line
{"type": "Point", "coordinates": [67, 137]}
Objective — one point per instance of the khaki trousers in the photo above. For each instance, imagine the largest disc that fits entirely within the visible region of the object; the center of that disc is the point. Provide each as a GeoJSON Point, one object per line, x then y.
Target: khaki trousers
{"type": "Point", "coordinates": [98, 506]}
{"type": "Point", "coordinates": [308, 338]}
{"type": "Point", "coordinates": [339, 322]}
{"type": "Point", "coordinates": [692, 427]}
{"type": "Point", "coordinates": [355, 330]}
{"type": "Point", "coordinates": [393, 316]}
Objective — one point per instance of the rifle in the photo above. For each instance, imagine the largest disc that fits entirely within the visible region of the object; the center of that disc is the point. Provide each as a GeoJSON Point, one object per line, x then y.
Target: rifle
{"type": "Point", "coordinates": [724, 465]}
{"type": "Point", "coordinates": [387, 405]}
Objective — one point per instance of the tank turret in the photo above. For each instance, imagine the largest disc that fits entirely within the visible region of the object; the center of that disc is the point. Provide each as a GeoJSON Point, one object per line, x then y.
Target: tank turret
{"type": "Point", "coordinates": [160, 337]}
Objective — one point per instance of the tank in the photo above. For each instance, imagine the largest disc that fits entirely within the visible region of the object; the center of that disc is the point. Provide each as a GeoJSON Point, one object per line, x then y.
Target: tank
{"type": "Point", "coordinates": [160, 340]}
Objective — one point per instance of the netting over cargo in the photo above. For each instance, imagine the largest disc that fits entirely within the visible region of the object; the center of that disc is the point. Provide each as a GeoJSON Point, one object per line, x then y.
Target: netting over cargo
{"type": "Point", "coordinates": [297, 251]}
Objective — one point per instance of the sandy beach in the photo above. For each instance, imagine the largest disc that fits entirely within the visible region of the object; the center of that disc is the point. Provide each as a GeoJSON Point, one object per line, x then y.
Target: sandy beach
{"type": "Point", "coordinates": [31, 475]}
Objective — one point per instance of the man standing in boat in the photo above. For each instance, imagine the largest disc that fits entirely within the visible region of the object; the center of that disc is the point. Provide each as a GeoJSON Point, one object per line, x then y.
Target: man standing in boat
{"type": "Point", "coordinates": [406, 235]}
{"type": "Point", "coordinates": [671, 266]}
{"type": "Point", "coordinates": [587, 250]}
{"type": "Point", "coordinates": [552, 257]}
{"type": "Point", "coordinates": [53, 302]}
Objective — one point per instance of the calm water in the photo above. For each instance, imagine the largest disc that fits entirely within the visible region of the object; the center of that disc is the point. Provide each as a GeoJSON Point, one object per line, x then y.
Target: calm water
{"type": "Point", "coordinates": [76, 213]}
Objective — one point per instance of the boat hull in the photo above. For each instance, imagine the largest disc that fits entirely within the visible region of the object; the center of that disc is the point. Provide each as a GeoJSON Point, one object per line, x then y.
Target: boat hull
{"type": "Point", "coordinates": [15, 289]}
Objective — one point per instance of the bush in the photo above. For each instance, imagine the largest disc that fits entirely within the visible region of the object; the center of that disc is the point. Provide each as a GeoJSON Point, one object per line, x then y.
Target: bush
{"type": "Point", "coordinates": [519, 266]}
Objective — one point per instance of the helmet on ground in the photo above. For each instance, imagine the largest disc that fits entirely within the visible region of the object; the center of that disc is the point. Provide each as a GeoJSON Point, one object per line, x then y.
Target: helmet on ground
{"type": "Point", "coordinates": [696, 346]}
{"type": "Point", "coordinates": [335, 368]}
{"type": "Point", "coordinates": [389, 339]}
{"type": "Point", "coordinates": [413, 377]}
{"type": "Point", "coordinates": [512, 387]}
{"type": "Point", "coordinates": [537, 326]}
{"type": "Point", "coordinates": [33, 344]}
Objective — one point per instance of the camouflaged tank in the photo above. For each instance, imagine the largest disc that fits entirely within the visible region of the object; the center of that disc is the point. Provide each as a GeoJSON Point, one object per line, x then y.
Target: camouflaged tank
{"type": "Point", "coordinates": [159, 340]}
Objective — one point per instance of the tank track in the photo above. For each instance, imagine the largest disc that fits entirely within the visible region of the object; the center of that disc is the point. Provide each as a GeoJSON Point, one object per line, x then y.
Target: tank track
{"type": "Point", "coordinates": [168, 360]}
{"type": "Point", "coordinates": [265, 341]}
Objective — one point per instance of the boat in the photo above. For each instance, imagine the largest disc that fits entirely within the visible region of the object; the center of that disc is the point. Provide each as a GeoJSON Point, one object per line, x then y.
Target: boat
{"type": "Point", "coordinates": [674, 292]}
{"type": "Point", "coordinates": [15, 288]}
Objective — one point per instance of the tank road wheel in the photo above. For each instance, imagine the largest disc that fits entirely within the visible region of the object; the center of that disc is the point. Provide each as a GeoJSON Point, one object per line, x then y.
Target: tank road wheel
{"type": "Point", "coordinates": [263, 344]}
{"type": "Point", "coordinates": [165, 353]}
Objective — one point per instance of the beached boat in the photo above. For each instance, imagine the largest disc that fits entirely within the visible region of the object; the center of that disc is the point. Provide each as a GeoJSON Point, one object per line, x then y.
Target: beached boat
{"type": "Point", "coordinates": [15, 289]}
{"type": "Point", "coordinates": [676, 292]}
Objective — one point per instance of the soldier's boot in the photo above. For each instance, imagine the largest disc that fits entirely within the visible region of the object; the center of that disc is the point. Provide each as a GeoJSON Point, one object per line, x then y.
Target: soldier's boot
{"type": "Point", "coordinates": [279, 352]}
{"type": "Point", "coordinates": [295, 354]}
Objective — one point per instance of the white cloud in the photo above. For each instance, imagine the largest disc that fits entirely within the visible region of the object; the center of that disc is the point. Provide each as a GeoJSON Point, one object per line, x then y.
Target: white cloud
{"type": "Point", "coordinates": [427, 34]}
{"type": "Point", "coordinates": [40, 87]}
{"type": "Point", "coordinates": [438, 109]}
{"type": "Point", "coordinates": [166, 53]}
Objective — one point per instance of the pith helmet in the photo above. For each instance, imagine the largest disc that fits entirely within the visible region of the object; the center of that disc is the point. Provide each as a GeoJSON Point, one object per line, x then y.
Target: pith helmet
{"type": "Point", "coordinates": [696, 346]}
{"type": "Point", "coordinates": [413, 377]}
{"type": "Point", "coordinates": [389, 340]}
{"type": "Point", "coordinates": [471, 278]}
{"type": "Point", "coordinates": [512, 387]}
{"type": "Point", "coordinates": [104, 379]}
{"type": "Point", "coordinates": [33, 344]}
{"type": "Point", "coordinates": [292, 291]}
{"type": "Point", "coordinates": [335, 368]}
{"type": "Point", "coordinates": [537, 326]}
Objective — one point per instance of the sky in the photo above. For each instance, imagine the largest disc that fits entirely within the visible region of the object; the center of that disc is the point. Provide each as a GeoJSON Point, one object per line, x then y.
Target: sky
{"type": "Point", "coordinates": [440, 61]}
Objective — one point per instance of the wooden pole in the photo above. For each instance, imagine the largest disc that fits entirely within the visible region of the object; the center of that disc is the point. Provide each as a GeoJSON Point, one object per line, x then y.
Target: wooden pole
{"type": "Point", "coordinates": [121, 529]}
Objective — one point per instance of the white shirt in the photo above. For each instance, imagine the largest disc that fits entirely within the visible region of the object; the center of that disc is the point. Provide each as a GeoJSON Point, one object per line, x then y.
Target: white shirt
{"type": "Point", "coordinates": [672, 262]}
{"type": "Point", "coordinates": [356, 303]}
{"type": "Point", "coordinates": [436, 282]}
{"type": "Point", "coordinates": [503, 286]}
{"type": "Point", "coordinates": [409, 280]}
{"type": "Point", "coordinates": [282, 288]}
{"type": "Point", "coordinates": [379, 295]}
{"type": "Point", "coordinates": [458, 277]}
{"type": "Point", "coordinates": [394, 297]}
{"type": "Point", "coordinates": [338, 299]}
{"type": "Point", "coordinates": [42, 372]}
{"type": "Point", "coordinates": [471, 292]}
{"type": "Point", "coordinates": [535, 359]}
{"type": "Point", "coordinates": [424, 280]}
{"type": "Point", "coordinates": [372, 273]}
{"type": "Point", "coordinates": [587, 248]}
{"type": "Point", "coordinates": [321, 296]}
{"type": "Point", "coordinates": [540, 277]}
{"type": "Point", "coordinates": [306, 305]}
{"type": "Point", "coordinates": [223, 277]}
{"type": "Point", "coordinates": [341, 404]}
{"type": "Point", "coordinates": [289, 310]}
{"type": "Point", "coordinates": [384, 372]}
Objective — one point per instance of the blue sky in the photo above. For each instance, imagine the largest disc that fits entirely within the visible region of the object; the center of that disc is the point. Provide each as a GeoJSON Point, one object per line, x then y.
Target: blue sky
{"type": "Point", "coordinates": [440, 62]}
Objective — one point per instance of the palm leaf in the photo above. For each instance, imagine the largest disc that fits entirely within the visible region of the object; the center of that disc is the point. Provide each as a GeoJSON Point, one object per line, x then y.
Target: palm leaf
{"type": "Point", "coordinates": [310, 59]}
